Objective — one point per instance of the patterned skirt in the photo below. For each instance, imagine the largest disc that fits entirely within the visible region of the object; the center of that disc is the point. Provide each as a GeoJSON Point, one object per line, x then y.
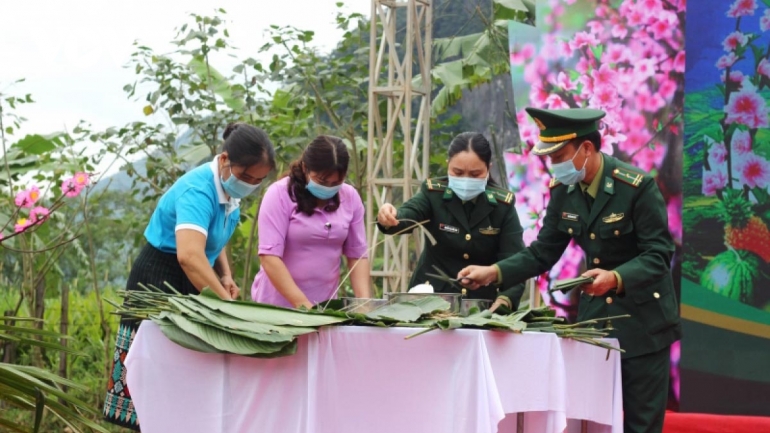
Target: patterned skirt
{"type": "Point", "coordinates": [151, 267]}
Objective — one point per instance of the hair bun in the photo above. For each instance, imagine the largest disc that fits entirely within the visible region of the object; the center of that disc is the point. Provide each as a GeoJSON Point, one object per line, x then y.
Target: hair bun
{"type": "Point", "coordinates": [232, 126]}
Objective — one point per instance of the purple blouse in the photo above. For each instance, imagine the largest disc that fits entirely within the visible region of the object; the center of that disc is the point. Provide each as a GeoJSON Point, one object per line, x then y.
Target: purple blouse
{"type": "Point", "coordinates": [310, 246]}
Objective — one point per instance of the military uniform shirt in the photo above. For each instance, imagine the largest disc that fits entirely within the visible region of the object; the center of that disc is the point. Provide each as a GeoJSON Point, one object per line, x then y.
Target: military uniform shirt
{"type": "Point", "coordinates": [626, 231]}
{"type": "Point", "coordinates": [479, 232]}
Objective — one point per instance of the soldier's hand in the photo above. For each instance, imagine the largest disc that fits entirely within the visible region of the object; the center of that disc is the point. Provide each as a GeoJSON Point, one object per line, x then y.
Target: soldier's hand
{"type": "Point", "coordinates": [387, 215]}
{"type": "Point", "coordinates": [498, 302]}
{"type": "Point", "coordinates": [474, 276]}
{"type": "Point", "coordinates": [604, 281]}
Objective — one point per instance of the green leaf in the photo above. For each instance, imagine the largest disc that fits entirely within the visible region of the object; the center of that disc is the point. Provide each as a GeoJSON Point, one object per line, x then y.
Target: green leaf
{"type": "Point", "coordinates": [261, 331]}
{"type": "Point", "coordinates": [224, 341]}
{"type": "Point", "coordinates": [264, 313]}
{"type": "Point", "coordinates": [758, 54]}
{"type": "Point", "coordinates": [508, 9]}
{"type": "Point", "coordinates": [455, 46]}
{"type": "Point", "coordinates": [195, 154]}
{"type": "Point", "coordinates": [147, 110]}
{"type": "Point", "coordinates": [399, 312]}
{"type": "Point", "coordinates": [761, 195]}
{"type": "Point", "coordinates": [38, 144]}
{"type": "Point", "coordinates": [445, 98]}
{"type": "Point", "coordinates": [218, 83]}
{"type": "Point", "coordinates": [12, 426]}
{"type": "Point", "coordinates": [450, 74]}
{"type": "Point", "coordinates": [597, 50]}
{"type": "Point", "coordinates": [431, 304]}
{"type": "Point", "coordinates": [182, 338]}
{"type": "Point", "coordinates": [39, 406]}
{"type": "Point", "coordinates": [281, 98]}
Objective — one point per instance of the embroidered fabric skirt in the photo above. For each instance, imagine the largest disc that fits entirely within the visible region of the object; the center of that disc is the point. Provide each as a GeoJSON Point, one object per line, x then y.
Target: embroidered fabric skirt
{"type": "Point", "coordinates": [151, 267]}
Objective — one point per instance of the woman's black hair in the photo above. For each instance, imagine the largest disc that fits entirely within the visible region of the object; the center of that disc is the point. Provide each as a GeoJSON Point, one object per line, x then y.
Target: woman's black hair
{"type": "Point", "coordinates": [247, 145]}
{"type": "Point", "coordinates": [476, 143]}
{"type": "Point", "coordinates": [325, 155]}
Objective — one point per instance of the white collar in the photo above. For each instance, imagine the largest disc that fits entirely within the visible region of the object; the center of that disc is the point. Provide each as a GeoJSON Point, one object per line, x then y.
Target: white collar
{"type": "Point", "coordinates": [233, 202]}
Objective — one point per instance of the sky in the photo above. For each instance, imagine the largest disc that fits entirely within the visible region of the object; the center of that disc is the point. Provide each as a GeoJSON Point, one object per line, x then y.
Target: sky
{"type": "Point", "coordinates": [72, 53]}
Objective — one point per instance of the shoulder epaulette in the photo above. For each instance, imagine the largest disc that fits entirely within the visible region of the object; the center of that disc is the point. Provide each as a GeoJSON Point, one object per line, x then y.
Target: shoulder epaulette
{"type": "Point", "coordinates": [554, 183]}
{"type": "Point", "coordinates": [501, 195]}
{"type": "Point", "coordinates": [436, 184]}
{"type": "Point", "coordinates": [630, 177]}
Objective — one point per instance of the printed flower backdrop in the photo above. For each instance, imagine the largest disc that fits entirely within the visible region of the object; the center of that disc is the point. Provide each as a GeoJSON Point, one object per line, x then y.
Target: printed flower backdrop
{"type": "Point", "coordinates": [727, 167]}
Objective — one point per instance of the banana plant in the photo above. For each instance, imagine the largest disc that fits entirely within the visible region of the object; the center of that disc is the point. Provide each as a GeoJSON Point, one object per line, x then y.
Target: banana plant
{"type": "Point", "coordinates": [465, 62]}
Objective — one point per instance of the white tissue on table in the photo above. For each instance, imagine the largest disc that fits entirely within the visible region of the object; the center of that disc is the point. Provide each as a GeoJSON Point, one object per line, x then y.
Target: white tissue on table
{"type": "Point", "coordinates": [421, 288]}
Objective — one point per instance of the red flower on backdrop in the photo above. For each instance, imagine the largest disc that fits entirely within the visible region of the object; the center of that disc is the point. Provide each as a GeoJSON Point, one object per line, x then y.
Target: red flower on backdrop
{"type": "Point", "coordinates": [713, 181]}
{"type": "Point", "coordinates": [753, 171]}
{"type": "Point", "coordinates": [742, 8]}
{"type": "Point", "coordinates": [748, 108]}
{"type": "Point", "coordinates": [734, 40]}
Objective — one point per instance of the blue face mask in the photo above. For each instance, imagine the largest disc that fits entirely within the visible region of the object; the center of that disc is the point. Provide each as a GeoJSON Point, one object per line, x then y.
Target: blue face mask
{"type": "Point", "coordinates": [237, 188]}
{"type": "Point", "coordinates": [467, 188]}
{"type": "Point", "coordinates": [566, 173]}
{"type": "Point", "coordinates": [322, 192]}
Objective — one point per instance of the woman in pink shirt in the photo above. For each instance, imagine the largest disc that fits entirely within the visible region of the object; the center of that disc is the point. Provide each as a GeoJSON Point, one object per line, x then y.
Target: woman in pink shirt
{"type": "Point", "coordinates": [307, 221]}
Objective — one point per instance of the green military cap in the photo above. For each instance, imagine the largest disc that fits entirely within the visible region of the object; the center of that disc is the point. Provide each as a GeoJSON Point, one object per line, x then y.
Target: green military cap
{"type": "Point", "coordinates": [558, 127]}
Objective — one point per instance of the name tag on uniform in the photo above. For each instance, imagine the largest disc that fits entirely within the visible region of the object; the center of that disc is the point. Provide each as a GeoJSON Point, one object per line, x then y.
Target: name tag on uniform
{"type": "Point", "coordinates": [613, 218]}
{"type": "Point", "coordinates": [569, 216]}
{"type": "Point", "coordinates": [447, 228]}
{"type": "Point", "coordinates": [489, 231]}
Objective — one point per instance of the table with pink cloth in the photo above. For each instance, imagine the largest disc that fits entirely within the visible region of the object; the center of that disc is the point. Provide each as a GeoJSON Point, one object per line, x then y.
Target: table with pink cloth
{"type": "Point", "coordinates": [351, 379]}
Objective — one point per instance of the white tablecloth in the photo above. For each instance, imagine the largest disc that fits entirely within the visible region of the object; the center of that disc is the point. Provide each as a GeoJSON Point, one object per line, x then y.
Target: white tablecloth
{"type": "Point", "coordinates": [371, 380]}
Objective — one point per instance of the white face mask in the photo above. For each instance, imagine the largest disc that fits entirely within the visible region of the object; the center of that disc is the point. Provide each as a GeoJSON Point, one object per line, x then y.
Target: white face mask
{"type": "Point", "coordinates": [566, 173]}
{"type": "Point", "coordinates": [237, 188]}
{"type": "Point", "coordinates": [467, 188]}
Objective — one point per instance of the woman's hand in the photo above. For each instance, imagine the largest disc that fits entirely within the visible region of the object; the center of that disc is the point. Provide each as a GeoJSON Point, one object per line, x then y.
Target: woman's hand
{"type": "Point", "coordinates": [279, 275]}
{"type": "Point", "coordinates": [230, 286]}
{"type": "Point", "coordinates": [190, 252]}
{"type": "Point", "coordinates": [498, 302]}
{"type": "Point", "coordinates": [306, 304]}
{"type": "Point", "coordinates": [387, 215]}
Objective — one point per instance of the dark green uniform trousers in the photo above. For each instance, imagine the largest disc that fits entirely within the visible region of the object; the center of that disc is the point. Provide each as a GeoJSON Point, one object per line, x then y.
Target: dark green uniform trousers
{"type": "Point", "coordinates": [645, 391]}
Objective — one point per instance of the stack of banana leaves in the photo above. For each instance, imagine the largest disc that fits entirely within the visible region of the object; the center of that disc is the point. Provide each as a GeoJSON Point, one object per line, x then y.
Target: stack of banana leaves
{"type": "Point", "coordinates": [206, 323]}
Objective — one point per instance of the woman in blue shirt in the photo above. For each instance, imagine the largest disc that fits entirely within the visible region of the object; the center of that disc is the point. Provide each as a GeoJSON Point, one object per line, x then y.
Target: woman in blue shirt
{"type": "Point", "coordinates": [186, 239]}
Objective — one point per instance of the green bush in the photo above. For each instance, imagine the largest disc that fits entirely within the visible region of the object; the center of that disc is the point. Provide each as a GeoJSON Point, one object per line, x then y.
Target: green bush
{"type": "Point", "coordinates": [86, 336]}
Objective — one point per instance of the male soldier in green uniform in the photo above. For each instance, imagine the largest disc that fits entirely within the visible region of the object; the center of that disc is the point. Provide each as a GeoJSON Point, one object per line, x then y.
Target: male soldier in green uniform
{"type": "Point", "coordinates": [618, 217]}
{"type": "Point", "coordinates": [472, 222]}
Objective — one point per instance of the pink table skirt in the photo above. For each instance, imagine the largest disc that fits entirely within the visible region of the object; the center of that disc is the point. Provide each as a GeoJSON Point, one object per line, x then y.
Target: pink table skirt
{"type": "Point", "coordinates": [370, 380]}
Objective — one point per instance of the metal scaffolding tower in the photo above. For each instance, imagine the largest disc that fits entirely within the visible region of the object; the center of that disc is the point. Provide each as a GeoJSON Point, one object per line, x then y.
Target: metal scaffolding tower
{"type": "Point", "coordinates": [396, 136]}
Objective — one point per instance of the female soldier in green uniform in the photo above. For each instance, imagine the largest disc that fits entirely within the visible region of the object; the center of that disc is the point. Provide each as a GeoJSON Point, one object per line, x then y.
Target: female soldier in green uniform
{"type": "Point", "coordinates": [473, 222]}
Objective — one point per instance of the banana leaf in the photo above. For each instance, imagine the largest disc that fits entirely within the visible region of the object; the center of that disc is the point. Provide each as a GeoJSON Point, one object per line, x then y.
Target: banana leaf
{"type": "Point", "coordinates": [35, 389]}
{"type": "Point", "coordinates": [400, 312]}
{"type": "Point", "coordinates": [226, 341]}
{"type": "Point", "coordinates": [264, 313]}
{"type": "Point", "coordinates": [208, 324]}
{"type": "Point", "coordinates": [182, 338]}
{"type": "Point", "coordinates": [40, 391]}
{"type": "Point", "coordinates": [263, 331]}
{"type": "Point", "coordinates": [409, 311]}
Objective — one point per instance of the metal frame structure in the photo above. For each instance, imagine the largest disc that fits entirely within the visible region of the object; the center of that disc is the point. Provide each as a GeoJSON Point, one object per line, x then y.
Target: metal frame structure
{"type": "Point", "coordinates": [391, 79]}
